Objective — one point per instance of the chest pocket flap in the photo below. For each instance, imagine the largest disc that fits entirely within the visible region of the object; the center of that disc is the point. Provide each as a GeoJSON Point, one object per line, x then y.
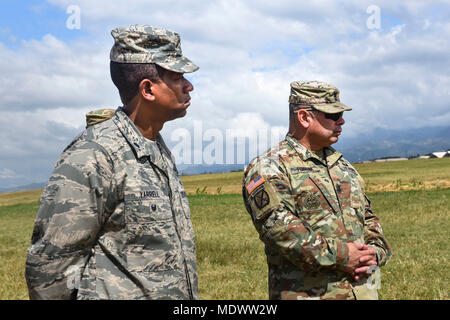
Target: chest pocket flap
{"type": "Point", "coordinates": [147, 205]}
{"type": "Point", "coordinates": [326, 193]}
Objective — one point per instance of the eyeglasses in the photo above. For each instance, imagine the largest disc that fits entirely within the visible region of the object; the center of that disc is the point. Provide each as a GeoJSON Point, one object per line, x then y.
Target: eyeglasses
{"type": "Point", "coordinates": [334, 116]}
{"type": "Point", "coordinates": [330, 116]}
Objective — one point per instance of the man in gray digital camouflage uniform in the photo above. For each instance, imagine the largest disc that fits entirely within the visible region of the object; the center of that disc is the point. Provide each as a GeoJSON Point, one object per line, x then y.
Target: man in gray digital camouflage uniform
{"type": "Point", "coordinates": [114, 220]}
{"type": "Point", "coordinates": [308, 205]}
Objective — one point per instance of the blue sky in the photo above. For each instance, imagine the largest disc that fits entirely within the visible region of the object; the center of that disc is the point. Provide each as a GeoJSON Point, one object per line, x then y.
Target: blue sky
{"type": "Point", "coordinates": [394, 77]}
{"type": "Point", "coordinates": [32, 19]}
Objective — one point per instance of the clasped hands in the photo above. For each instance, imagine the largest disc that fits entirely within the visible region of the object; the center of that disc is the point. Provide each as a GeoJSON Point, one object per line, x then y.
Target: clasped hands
{"type": "Point", "coordinates": [361, 258]}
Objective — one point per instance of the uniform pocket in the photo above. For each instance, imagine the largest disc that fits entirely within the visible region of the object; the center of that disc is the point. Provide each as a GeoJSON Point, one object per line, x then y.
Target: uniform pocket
{"type": "Point", "coordinates": [146, 209]}
{"type": "Point", "coordinates": [152, 240]}
{"type": "Point", "coordinates": [153, 247]}
{"type": "Point", "coordinates": [313, 208]}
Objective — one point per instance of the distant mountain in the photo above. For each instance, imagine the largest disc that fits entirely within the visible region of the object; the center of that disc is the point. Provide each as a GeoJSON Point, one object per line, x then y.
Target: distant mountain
{"type": "Point", "coordinates": [32, 186]}
{"type": "Point", "coordinates": [187, 170]}
{"type": "Point", "coordinates": [366, 146]}
{"type": "Point", "coordinates": [380, 143]}
{"type": "Point", "coordinates": [395, 143]}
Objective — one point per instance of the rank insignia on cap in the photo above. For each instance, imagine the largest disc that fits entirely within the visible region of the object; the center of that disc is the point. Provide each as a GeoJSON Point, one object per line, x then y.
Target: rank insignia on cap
{"type": "Point", "coordinates": [252, 185]}
{"type": "Point", "coordinates": [261, 199]}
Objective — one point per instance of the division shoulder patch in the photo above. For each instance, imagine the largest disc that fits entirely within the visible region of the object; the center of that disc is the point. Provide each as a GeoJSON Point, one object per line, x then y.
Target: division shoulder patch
{"type": "Point", "coordinates": [261, 198]}
{"type": "Point", "coordinates": [252, 185]}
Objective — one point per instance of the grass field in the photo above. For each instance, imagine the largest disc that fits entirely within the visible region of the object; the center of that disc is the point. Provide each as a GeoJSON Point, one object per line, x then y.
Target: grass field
{"type": "Point", "coordinates": [413, 206]}
{"type": "Point", "coordinates": [420, 174]}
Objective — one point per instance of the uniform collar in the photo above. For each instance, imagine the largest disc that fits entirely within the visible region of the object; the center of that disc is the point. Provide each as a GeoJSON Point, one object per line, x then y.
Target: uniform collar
{"type": "Point", "coordinates": [331, 154]}
{"type": "Point", "coordinates": [141, 146]}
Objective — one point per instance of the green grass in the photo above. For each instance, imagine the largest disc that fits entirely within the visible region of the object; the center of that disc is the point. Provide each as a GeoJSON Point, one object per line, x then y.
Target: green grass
{"type": "Point", "coordinates": [404, 175]}
{"type": "Point", "coordinates": [416, 224]}
{"type": "Point", "coordinates": [231, 259]}
{"type": "Point", "coordinates": [379, 176]}
{"type": "Point", "coordinates": [213, 183]}
{"type": "Point", "coordinates": [16, 226]}
{"type": "Point", "coordinates": [22, 197]}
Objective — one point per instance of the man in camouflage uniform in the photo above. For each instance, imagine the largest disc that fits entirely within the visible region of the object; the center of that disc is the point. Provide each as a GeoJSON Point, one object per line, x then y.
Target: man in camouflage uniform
{"type": "Point", "coordinates": [114, 220]}
{"type": "Point", "coordinates": [308, 205]}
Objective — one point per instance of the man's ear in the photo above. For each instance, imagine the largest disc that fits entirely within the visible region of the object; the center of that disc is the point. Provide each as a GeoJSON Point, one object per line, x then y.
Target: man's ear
{"type": "Point", "coordinates": [304, 118]}
{"type": "Point", "coordinates": [146, 87]}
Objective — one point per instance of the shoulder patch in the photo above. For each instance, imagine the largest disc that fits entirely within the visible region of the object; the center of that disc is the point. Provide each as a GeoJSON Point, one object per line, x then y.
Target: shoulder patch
{"type": "Point", "coordinates": [261, 198]}
{"type": "Point", "coordinates": [252, 185]}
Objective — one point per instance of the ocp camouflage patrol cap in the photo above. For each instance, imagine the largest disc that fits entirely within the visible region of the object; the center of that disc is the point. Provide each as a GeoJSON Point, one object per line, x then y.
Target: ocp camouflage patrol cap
{"type": "Point", "coordinates": [146, 44]}
{"type": "Point", "coordinates": [316, 94]}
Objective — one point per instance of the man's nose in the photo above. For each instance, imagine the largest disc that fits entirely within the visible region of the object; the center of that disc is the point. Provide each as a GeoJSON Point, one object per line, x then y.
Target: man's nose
{"type": "Point", "coordinates": [188, 87]}
{"type": "Point", "coordinates": [341, 121]}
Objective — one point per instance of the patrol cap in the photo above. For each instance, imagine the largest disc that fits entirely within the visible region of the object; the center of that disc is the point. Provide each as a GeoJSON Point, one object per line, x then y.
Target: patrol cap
{"type": "Point", "coordinates": [97, 116]}
{"type": "Point", "coordinates": [318, 95]}
{"type": "Point", "coordinates": [146, 44]}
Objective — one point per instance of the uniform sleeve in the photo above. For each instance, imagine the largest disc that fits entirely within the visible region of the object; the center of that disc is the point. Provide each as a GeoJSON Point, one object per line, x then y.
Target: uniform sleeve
{"type": "Point", "coordinates": [268, 199]}
{"type": "Point", "coordinates": [373, 235]}
{"type": "Point", "coordinates": [70, 216]}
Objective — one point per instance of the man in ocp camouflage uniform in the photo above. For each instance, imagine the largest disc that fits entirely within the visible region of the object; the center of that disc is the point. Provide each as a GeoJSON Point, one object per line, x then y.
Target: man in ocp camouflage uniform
{"type": "Point", "coordinates": [114, 220]}
{"type": "Point", "coordinates": [308, 205]}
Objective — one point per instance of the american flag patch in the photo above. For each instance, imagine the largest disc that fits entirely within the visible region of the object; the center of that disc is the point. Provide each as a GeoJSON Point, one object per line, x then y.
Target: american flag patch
{"type": "Point", "coordinates": [252, 185]}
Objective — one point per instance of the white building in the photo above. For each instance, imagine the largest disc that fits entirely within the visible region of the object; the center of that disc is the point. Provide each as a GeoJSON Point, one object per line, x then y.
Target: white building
{"type": "Point", "coordinates": [439, 154]}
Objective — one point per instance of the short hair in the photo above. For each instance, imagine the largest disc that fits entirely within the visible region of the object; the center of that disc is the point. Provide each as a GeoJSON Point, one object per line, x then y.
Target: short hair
{"type": "Point", "coordinates": [294, 108]}
{"type": "Point", "coordinates": [127, 76]}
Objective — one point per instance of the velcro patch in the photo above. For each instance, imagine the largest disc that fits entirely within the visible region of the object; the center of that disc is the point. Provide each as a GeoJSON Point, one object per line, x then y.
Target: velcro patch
{"type": "Point", "coordinates": [296, 170]}
{"type": "Point", "coordinates": [148, 194]}
{"type": "Point", "coordinates": [252, 185]}
{"type": "Point", "coordinates": [261, 198]}
{"type": "Point", "coordinates": [311, 201]}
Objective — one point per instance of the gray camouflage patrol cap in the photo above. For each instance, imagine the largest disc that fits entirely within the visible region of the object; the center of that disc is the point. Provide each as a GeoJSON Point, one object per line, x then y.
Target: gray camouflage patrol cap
{"type": "Point", "coordinates": [146, 44]}
{"type": "Point", "coordinates": [318, 95]}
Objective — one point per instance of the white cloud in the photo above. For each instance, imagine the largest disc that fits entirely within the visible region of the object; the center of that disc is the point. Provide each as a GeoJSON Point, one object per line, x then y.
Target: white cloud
{"type": "Point", "coordinates": [248, 53]}
{"type": "Point", "coordinates": [6, 173]}
{"type": "Point", "coordinates": [50, 73]}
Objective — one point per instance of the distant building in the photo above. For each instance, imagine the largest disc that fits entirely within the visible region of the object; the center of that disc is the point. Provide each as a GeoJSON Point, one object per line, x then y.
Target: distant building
{"type": "Point", "coordinates": [439, 154]}
{"type": "Point", "coordinates": [390, 159]}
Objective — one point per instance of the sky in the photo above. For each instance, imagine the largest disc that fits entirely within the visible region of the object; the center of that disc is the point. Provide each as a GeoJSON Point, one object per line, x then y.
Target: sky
{"type": "Point", "coordinates": [389, 59]}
